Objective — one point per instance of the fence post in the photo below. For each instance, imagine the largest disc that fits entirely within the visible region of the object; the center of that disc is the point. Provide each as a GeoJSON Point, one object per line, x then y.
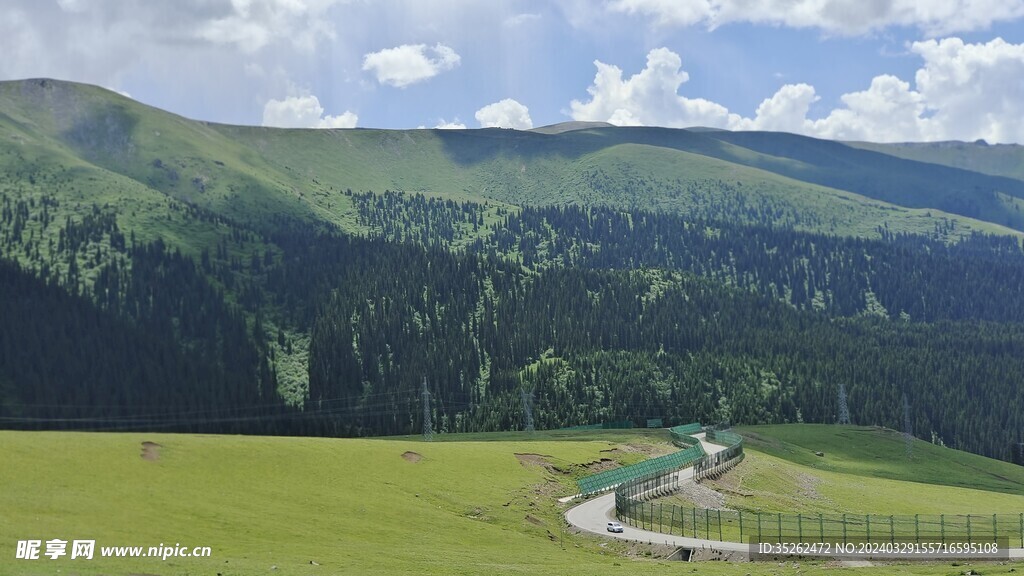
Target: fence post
{"type": "Point", "coordinates": [720, 539]}
{"type": "Point", "coordinates": [1022, 529]}
{"type": "Point", "coordinates": [844, 529]}
{"type": "Point", "coordinates": [917, 529]}
{"type": "Point", "coordinates": [707, 523]}
{"type": "Point", "coordinates": [800, 526]}
{"type": "Point", "coordinates": [942, 527]}
{"type": "Point", "coordinates": [759, 527]}
{"type": "Point", "coordinates": [780, 527]}
{"type": "Point", "coordinates": [968, 528]}
{"type": "Point", "coordinates": [892, 531]}
{"type": "Point", "coordinates": [661, 517]}
{"type": "Point", "coordinates": [867, 526]}
{"type": "Point", "coordinates": [741, 525]}
{"type": "Point", "coordinates": [995, 528]}
{"type": "Point", "coordinates": [821, 528]}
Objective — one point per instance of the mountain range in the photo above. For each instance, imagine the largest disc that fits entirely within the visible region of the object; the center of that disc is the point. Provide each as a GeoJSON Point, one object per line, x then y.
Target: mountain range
{"type": "Point", "coordinates": [165, 273]}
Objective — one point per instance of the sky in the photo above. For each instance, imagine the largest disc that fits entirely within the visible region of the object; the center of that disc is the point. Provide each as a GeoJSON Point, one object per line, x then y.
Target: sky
{"type": "Point", "coordinates": [877, 70]}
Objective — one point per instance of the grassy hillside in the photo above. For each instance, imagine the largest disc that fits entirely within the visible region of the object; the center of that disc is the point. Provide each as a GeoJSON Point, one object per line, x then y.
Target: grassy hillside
{"type": "Point", "coordinates": [249, 173]}
{"type": "Point", "coordinates": [320, 506]}
{"type": "Point", "coordinates": [863, 470]}
{"type": "Point", "coordinates": [885, 177]}
{"type": "Point", "coordinates": [872, 452]}
{"type": "Point", "coordinates": [995, 159]}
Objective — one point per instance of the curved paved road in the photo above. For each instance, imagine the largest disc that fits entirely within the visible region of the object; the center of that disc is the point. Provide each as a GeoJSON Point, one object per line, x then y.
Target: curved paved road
{"type": "Point", "coordinates": [593, 516]}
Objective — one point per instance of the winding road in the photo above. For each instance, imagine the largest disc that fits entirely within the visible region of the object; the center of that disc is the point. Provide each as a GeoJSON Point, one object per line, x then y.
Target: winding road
{"type": "Point", "coordinates": [593, 516]}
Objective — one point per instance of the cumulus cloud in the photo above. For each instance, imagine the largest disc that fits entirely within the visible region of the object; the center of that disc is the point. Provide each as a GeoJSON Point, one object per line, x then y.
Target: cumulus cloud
{"type": "Point", "coordinates": [668, 12]}
{"type": "Point", "coordinates": [845, 17]}
{"type": "Point", "coordinates": [304, 112]}
{"type": "Point", "coordinates": [410, 63]}
{"type": "Point", "coordinates": [506, 113]}
{"type": "Point", "coordinates": [453, 125]}
{"type": "Point", "coordinates": [649, 97]}
{"type": "Point", "coordinates": [975, 90]}
{"type": "Point", "coordinates": [962, 92]}
{"type": "Point", "coordinates": [253, 24]}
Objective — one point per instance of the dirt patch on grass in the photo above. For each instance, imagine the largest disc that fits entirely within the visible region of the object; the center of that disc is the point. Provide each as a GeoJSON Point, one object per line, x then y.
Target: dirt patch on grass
{"type": "Point", "coordinates": [534, 520]}
{"type": "Point", "coordinates": [150, 451]}
{"type": "Point", "coordinates": [702, 496]}
{"type": "Point", "coordinates": [411, 456]}
{"type": "Point", "coordinates": [659, 449]}
{"type": "Point", "coordinates": [600, 465]}
{"type": "Point", "coordinates": [537, 460]}
{"type": "Point", "coordinates": [808, 486]}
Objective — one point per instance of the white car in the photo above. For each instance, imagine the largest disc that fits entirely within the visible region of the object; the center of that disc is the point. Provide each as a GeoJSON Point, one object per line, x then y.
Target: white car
{"type": "Point", "coordinates": [614, 527]}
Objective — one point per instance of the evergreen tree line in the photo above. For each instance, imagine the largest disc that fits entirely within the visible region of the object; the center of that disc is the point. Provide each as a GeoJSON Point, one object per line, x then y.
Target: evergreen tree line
{"type": "Point", "coordinates": [909, 277]}
{"type": "Point", "coordinates": [602, 315]}
{"type": "Point", "coordinates": [597, 345]}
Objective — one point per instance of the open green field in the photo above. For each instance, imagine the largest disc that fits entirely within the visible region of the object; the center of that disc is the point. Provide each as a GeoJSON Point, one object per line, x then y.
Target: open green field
{"type": "Point", "coordinates": [871, 452]}
{"type": "Point", "coordinates": [274, 505]}
{"type": "Point", "coordinates": [864, 470]}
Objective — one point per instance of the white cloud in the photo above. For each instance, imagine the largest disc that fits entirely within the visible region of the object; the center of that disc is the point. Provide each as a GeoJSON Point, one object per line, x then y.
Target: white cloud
{"type": "Point", "coordinates": [520, 19]}
{"type": "Point", "coordinates": [785, 111]}
{"type": "Point", "coordinates": [649, 97]}
{"type": "Point", "coordinates": [668, 12]}
{"type": "Point", "coordinates": [845, 17]}
{"type": "Point", "coordinates": [453, 125]}
{"type": "Point", "coordinates": [963, 92]}
{"type": "Point", "coordinates": [887, 111]}
{"type": "Point", "coordinates": [505, 114]}
{"type": "Point", "coordinates": [304, 112]}
{"type": "Point", "coordinates": [975, 90]}
{"type": "Point", "coordinates": [121, 92]}
{"type": "Point", "coordinates": [253, 24]}
{"type": "Point", "coordinates": [410, 63]}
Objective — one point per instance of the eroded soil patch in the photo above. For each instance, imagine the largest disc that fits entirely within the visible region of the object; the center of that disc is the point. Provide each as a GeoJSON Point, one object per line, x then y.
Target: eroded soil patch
{"type": "Point", "coordinates": [150, 451]}
{"type": "Point", "coordinates": [541, 460]}
{"type": "Point", "coordinates": [413, 457]}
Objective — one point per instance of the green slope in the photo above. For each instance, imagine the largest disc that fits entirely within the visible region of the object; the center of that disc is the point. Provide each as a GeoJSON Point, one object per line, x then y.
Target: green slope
{"type": "Point", "coordinates": [994, 159]}
{"type": "Point", "coordinates": [269, 176]}
{"type": "Point", "coordinates": [64, 123]}
{"type": "Point", "coordinates": [288, 506]}
{"type": "Point", "coordinates": [885, 177]}
{"type": "Point", "coordinates": [880, 453]}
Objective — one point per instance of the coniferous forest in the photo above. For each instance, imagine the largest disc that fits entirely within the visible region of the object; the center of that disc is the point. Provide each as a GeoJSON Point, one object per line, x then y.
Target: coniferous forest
{"type": "Point", "coordinates": [601, 314]}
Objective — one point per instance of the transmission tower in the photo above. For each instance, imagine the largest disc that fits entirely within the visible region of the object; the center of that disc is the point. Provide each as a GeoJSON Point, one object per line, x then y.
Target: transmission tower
{"type": "Point", "coordinates": [527, 398]}
{"type": "Point", "coordinates": [428, 427]}
{"type": "Point", "coordinates": [908, 431]}
{"type": "Point", "coordinates": [844, 410]}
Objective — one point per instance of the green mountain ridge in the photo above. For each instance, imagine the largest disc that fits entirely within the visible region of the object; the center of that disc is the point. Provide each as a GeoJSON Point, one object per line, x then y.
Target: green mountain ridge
{"type": "Point", "coordinates": [994, 159]}
{"type": "Point", "coordinates": [246, 172]}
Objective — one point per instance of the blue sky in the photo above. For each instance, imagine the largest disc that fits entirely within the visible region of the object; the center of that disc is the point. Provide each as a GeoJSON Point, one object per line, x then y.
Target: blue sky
{"type": "Point", "coordinates": [884, 70]}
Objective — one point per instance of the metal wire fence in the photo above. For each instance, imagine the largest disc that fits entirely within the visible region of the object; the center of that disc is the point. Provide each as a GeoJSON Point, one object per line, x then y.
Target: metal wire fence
{"type": "Point", "coordinates": [692, 452]}
{"type": "Point", "coordinates": [632, 506]}
{"type": "Point", "coordinates": [654, 467]}
{"type": "Point", "coordinates": [739, 526]}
